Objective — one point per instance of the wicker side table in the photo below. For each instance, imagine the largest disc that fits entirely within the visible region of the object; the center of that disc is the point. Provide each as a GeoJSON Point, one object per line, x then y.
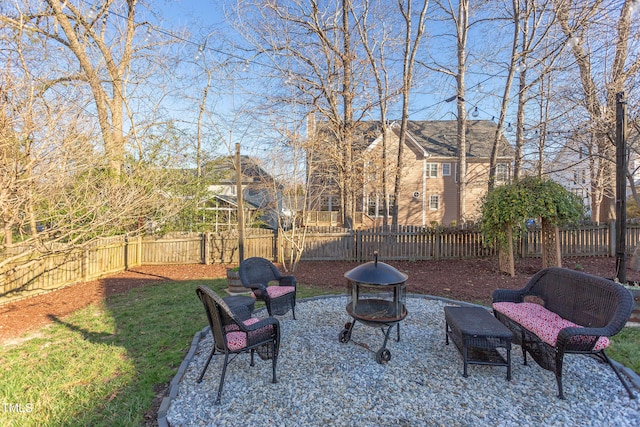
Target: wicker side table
{"type": "Point", "coordinates": [478, 334]}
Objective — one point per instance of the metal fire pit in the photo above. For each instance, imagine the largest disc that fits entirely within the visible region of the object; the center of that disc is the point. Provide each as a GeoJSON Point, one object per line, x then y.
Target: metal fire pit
{"type": "Point", "coordinates": [378, 294]}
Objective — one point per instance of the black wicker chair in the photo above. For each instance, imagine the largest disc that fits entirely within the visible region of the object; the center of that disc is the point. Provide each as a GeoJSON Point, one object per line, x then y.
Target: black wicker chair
{"type": "Point", "coordinates": [589, 309]}
{"type": "Point", "coordinates": [235, 331]}
{"type": "Point", "coordinates": [257, 274]}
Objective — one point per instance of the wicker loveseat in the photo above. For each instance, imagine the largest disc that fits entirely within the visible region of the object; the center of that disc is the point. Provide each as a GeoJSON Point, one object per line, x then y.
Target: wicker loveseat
{"type": "Point", "coordinates": [564, 311]}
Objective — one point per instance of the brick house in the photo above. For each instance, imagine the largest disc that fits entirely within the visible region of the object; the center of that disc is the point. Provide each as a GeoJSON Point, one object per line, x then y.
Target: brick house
{"type": "Point", "coordinates": [429, 179]}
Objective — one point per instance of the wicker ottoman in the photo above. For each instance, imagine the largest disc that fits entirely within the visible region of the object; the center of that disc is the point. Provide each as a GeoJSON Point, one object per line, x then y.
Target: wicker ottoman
{"type": "Point", "coordinates": [477, 334]}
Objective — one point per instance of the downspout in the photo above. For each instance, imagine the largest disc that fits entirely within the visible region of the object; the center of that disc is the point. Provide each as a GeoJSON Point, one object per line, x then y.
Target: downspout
{"type": "Point", "coordinates": [424, 191]}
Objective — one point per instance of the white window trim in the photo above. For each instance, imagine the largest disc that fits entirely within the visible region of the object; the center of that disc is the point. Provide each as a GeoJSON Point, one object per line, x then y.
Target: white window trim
{"type": "Point", "coordinates": [430, 169]}
{"type": "Point", "coordinates": [499, 177]}
{"type": "Point", "coordinates": [437, 197]}
{"type": "Point", "coordinates": [449, 169]}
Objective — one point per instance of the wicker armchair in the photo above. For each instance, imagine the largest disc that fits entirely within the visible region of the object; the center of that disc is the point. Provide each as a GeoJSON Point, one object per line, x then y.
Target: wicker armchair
{"type": "Point", "coordinates": [235, 332]}
{"type": "Point", "coordinates": [257, 274]}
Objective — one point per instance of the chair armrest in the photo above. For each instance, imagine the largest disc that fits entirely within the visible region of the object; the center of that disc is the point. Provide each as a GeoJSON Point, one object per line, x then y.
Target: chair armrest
{"type": "Point", "coordinates": [261, 324]}
{"type": "Point", "coordinates": [567, 333]}
{"type": "Point", "coordinates": [288, 281]}
{"type": "Point", "coordinates": [507, 295]}
{"type": "Point", "coordinates": [260, 286]}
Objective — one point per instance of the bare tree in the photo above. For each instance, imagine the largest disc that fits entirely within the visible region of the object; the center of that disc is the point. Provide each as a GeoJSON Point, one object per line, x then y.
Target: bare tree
{"type": "Point", "coordinates": [538, 61]}
{"type": "Point", "coordinates": [506, 94]}
{"type": "Point", "coordinates": [310, 49]}
{"type": "Point", "coordinates": [60, 193]}
{"type": "Point", "coordinates": [376, 40]}
{"type": "Point", "coordinates": [459, 16]}
{"type": "Point", "coordinates": [101, 41]}
{"type": "Point", "coordinates": [412, 43]}
{"type": "Point", "coordinates": [601, 45]}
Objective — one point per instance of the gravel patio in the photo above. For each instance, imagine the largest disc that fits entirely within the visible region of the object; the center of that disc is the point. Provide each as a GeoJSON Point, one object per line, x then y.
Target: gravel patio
{"type": "Point", "coordinates": [322, 382]}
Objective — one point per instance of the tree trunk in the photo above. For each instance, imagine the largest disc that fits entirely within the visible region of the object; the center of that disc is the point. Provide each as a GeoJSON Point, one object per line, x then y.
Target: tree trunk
{"type": "Point", "coordinates": [347, 103]}
{"type": "Point", "coordinates": [506, 261]}
{"type": "Point", "coordinates": [493, 161]}
{"type": "Point", "coordinates": [409, 57]}
{"type": "Point", "coordinates": [551, 255]}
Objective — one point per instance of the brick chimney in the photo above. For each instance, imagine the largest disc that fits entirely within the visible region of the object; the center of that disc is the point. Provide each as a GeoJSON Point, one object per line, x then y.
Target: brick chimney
{"type": "Point", "coordinates": [311, 125]}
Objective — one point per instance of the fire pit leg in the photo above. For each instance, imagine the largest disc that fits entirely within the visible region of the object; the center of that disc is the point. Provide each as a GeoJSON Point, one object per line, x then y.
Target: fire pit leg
{"type": "Point", "coordinates": [345, 334]}
{"type": "Point", "coordinates": [384, 355]}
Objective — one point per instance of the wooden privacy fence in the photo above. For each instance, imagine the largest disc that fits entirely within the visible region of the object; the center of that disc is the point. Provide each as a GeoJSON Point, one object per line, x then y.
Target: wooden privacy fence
{"type": "Point", "coordinates": [35, 272]}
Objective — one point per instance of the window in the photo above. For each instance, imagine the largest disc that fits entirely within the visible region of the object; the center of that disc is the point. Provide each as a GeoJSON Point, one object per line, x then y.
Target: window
{"type": "Point", "coordinates": [432, 170]}
{"type": "Point", "coordinates": [375, 205]}
{"type": "Point", "coordinates": [329, 204]}
{"type": "Point", "coordinates": [434, 202]}
{"type": "Point", "coordinates": [446, 169]}
{"type": "Point", "coordinates": [502, 172]}
{"type": "Point", "coordinates": [335, 204]}
{"type": "Point", "coordinates": [371, 205]}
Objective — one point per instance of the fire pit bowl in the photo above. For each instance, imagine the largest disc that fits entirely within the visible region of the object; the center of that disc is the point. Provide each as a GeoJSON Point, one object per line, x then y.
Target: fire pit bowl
{"type": "Point", "coordinates": [378, 294]}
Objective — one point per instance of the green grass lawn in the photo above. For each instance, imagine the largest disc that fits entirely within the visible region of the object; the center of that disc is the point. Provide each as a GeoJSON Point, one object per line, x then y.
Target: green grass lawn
{"type": "Point", "coordinates": [101, 365]}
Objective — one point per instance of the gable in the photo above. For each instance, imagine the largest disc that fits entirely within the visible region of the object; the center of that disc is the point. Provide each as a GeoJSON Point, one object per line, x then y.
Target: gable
{"type": "Point", "coordinates": [394, 130]}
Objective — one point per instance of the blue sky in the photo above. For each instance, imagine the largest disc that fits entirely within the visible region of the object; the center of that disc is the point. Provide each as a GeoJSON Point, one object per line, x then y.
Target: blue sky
{"type": "Point", "coordinates": [202, 16]}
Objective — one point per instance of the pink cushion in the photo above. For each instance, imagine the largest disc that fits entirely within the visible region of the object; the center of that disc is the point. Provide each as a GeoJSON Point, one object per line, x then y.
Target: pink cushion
{"type": "Point", "coordinates": [278, 291]}
{"type": "Point", "coordinates": [544, 323]}
{"type": "Point", "coordinates": [237, 339]}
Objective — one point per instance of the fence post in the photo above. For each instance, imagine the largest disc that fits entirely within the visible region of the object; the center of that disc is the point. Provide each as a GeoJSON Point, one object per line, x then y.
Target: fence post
{"type": "Point", "coordinates": [84, 263]}
{"type": "Point", "coordinates": [126, 252]}
{"type": "Point", "coordinates": [139, 250]}
{"type": "Point", "coordinates": [206, 248]}
{"type": "Point", "coordinates": [437, 244]}
{"type": "Point", "coordinates": [612, 238]}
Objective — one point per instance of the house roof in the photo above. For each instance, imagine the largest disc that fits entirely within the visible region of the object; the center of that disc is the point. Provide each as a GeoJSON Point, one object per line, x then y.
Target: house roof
{"type": "Point", "coordinates": [233, 201]}
{"type": "Point", "coordinates": [438, 138]}
{"type": "Point", "coordinates": [223, 169]}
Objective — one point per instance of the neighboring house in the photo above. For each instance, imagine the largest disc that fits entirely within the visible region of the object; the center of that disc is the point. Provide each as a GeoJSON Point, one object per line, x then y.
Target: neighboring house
{"type": "Point", "coordinates": [258, 190]}
{"type": "Point", "coordinates": [429, 178]}
{"type": "Point", "coordinates": [571, 168]}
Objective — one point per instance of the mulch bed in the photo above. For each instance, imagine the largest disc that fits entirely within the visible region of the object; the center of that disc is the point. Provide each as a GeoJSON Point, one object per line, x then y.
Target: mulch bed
{"type": "Point", "coordinates": [468, 280]}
